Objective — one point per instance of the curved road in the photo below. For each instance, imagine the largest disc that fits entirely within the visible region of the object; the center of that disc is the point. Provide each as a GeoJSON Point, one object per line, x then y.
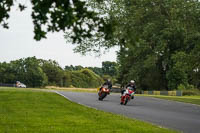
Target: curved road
{"type": "Point", "coordinates": [175, 115]}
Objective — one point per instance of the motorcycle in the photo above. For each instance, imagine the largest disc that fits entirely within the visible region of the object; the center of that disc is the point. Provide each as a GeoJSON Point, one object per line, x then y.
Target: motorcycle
{"type": "Point", "coordinates": [127, 96]}
{"type": "Point", "coordinates": [103, 92]}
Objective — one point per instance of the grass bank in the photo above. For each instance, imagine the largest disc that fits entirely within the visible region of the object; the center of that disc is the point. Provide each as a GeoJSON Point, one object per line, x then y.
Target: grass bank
{"type": "Point", "coordinates": [72, 89]}
{"type": "Point", "coordinates": [185, 99]}
{"type": "Point", "coordinates": [28, 111]}
{"type": "Point", "coordinates": [90, 90]}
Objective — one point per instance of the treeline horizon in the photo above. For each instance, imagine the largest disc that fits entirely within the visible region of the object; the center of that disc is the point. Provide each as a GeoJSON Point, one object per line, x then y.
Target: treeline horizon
{"type": "Point", "coordinates": [40, 73]}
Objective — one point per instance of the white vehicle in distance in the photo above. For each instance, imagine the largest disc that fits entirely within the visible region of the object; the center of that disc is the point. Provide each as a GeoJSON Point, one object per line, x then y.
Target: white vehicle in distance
{"type": "Point", "coordinates": [20, 85]}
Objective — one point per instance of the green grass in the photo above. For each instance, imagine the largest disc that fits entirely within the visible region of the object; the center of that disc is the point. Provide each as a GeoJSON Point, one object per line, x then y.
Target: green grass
{"type": "Point", "coordinates": [28, 111]}
{"type": "Point", "coordinates": [50, 89]}
{"type": "Point", "coordinates": [185, 99]}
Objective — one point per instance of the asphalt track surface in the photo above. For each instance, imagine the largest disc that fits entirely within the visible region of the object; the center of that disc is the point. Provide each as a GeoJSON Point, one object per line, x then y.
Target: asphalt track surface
{"type": "Point", "coordinates": [175, 115]}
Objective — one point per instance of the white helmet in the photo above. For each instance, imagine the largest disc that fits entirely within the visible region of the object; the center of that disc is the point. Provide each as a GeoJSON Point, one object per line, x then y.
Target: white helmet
{"type": "Point", "coordinates": [132, 82]}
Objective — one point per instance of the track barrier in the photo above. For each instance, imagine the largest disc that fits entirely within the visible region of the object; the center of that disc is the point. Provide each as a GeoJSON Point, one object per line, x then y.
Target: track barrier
{"type": "Point", "coordinates": [7, 85]}
{"type": "Point", "coordinates": [167, 93]}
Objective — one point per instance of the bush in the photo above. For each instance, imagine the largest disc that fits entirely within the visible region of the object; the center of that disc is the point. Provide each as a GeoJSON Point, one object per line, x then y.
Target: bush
{"type": "Point", "coordinates": [85, 78]}
{"type": "Point", "coordinates": [185, 87]}
{"type": "Point", "coordinates": [191, 92]}
{"type": "Point", "coordinates": [71, 86]}
{"type": "Point", "coordinates": [188, 90]}
{"type": "Point", "coordinates": [181, 87]}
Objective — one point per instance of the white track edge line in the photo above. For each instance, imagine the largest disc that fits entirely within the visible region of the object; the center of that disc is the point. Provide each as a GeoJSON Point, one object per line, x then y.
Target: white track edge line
{"type": "Point", "coordinates": [73, 101]}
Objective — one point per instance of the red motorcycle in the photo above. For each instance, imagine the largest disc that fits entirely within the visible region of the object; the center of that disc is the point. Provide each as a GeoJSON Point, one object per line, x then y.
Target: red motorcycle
{"type": "Point", "coordinates": [103, 92]}
{"type": "Point", "coordinates": [128, 93]}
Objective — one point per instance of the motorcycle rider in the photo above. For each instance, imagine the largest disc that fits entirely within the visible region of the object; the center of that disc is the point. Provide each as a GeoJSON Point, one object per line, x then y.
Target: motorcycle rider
{"type": "Point", "coordinates": [131, 84]}
{"type": "Point", "coordinates": [108, 83]}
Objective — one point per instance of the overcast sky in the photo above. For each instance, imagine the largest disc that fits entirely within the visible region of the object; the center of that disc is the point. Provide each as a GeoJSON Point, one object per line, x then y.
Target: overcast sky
{"type": "Point", "coordinates": [17, 42]}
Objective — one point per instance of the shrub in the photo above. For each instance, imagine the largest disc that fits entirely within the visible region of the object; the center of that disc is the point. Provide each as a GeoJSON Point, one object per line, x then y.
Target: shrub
{"type": "Point", "coordinates": [185, 87]}
{"type": "Point", "coordinates": [181, 87]}
{"type": "Point", "coordinates": [191, 92]}
{"type": "Point", "coordinates": [85, 78]}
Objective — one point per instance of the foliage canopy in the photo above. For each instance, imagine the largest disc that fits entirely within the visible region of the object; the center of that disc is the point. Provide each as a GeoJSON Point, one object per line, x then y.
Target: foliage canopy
{"type": "Point", "coordinates": [159, 40]}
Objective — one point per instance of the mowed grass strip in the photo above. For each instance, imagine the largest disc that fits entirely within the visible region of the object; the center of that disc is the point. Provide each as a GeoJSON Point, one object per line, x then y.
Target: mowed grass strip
{"type": "Point", "coordinates": [46, 112]}
{"type": "Point", "coordinates": [185, 99]}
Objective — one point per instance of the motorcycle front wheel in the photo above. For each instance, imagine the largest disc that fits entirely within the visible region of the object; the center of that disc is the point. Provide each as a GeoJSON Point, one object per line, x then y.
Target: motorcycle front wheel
{"type": "Point", "coordinates": [102, 96]}
{"type": "Point", "coordinates": [126, 101]}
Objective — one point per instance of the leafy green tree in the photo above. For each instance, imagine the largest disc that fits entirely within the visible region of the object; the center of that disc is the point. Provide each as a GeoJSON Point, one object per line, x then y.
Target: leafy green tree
{"type": "Point", "coordinates": [7, 74]}
{"type": "Point", "coordinates": [67, 80]}
{"type": "Point", "coordinates": [97, 70]}
{"type": "Point", "coordinates": [29, 72]}
{"type": "Point", "coordinates": [154, 36]}
{"type": "Point", "coordinates": [178, 74]}
{"type": "Point", "coordinates": [73, 68]}
{"type": "Point", "coordinates": [151, 35]}
{"type": "Point", "coordinates": [38, 73]}
{"type": "Point", "coordinates": [69, 68]}
{"type": "Point", "coordinates": [109, 68]}
{"type": "Point", "coordinates": [85, 78]}
{"type": "Point", "coordinates": [54, 72]}
{"type": "Point", "coordinates": [70, 16]}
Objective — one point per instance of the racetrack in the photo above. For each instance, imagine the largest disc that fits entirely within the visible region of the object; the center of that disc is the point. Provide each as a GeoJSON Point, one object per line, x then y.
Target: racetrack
{"type": "Point", "coordinates": [179, 116]}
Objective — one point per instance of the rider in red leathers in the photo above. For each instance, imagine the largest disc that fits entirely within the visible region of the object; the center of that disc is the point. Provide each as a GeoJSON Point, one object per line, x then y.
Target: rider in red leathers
{"type": "Point", "coordinates": [131, 85]}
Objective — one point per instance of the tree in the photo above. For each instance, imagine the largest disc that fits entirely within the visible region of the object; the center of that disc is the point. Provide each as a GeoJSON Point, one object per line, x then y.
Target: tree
{"type": "Point", "coordinates": [7, 74]}
{"type": "Point", "coordinates": [69, 68]}
{"type": "Point", "coordinates": [67, 80]}
{"type": "Point", "coordinates": [97, 70]}
{"type": "Point", "coordinates": [85, 78]}
{"type": "Point", "coordinates": [151, 35]}
{"type": "Point", "coordinates": [38, 73]}
{"type": "Point", "coordinates": [29, 72]}
{"type": "Point", "coordinates": [70, 16]}
{"type": "Point", "coordinates": [73, 68]}
{"type": "Point", "coordinates": [54, 72]}
{"type": "Point", "coordinates": [109, 68]}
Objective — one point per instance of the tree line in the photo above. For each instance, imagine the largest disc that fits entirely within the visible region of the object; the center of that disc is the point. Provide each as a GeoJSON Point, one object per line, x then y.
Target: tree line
{"type": "Point", "coordinates": [159, 40]}
{"type": "Point", "coordinates": [39, 73]}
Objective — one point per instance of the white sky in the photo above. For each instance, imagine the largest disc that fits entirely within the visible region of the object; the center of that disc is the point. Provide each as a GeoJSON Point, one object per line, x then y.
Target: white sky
{"type": "Point", "coordinates": [17, 42]}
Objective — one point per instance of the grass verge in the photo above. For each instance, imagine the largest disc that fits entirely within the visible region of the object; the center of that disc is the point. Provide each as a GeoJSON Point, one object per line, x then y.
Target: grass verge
{"type": "Point", "coordinates": [27, 111]}
{"type": "Point", "coordinates": [72, 89]}
{"type": "Point", "coordinates": [185, 99]}
{"type": "Point", "coordinates": [51, 89]}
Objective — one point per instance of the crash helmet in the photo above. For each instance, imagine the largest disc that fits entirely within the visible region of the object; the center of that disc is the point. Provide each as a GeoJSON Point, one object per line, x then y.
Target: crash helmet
{"type": "Point", "coordinates": [132, 82]}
